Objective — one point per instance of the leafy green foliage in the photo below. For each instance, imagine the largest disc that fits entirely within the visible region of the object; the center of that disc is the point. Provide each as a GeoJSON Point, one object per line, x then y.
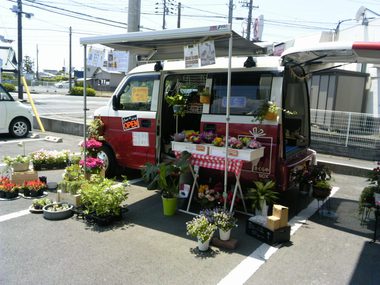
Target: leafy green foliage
{"type": "Point", "coordinates": [103, 197]}
{"type": "Point", "coordinates": [9, 87]}
{"type": "Point", "coordinates": [17, 159]}
{"type": "Point", "coordinates": [79, 91]}
{"type": "Point", "coordinates": [263, 191]}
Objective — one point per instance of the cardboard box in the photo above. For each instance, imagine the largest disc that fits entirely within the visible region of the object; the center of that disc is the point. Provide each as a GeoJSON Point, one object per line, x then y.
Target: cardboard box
{"type": "Point", "coordinates": [281, 212]}
{"type": "Point", "coordinates": [273, 223]}
{"type": "Point", "coordinates": [69, 198]}
{"type": "Point", "coordinates": [20, 177]}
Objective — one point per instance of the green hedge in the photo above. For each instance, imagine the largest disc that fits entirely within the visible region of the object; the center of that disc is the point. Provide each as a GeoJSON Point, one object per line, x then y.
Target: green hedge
{"type": "Point", "coordinates": [9, 87]}
{"type": "Point", "coordinates": [79, 91]}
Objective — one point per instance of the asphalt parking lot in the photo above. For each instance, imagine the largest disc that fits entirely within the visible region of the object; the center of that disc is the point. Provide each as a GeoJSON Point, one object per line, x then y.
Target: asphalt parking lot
{"type": "Point", "coordinates": [148, 248]}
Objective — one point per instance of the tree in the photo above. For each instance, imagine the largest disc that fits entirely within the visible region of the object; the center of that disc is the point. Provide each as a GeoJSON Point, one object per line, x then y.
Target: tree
{"type": "Point", "coordinates": [28, 64]}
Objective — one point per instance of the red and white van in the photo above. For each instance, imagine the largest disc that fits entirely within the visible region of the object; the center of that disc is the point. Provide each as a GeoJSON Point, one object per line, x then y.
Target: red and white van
{"type": "Point", "coordinates": [139, 123]}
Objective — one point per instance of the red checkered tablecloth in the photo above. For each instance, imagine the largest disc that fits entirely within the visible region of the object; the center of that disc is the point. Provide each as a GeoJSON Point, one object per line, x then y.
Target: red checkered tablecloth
{"type": "Point", "coordinates": [215, 162]}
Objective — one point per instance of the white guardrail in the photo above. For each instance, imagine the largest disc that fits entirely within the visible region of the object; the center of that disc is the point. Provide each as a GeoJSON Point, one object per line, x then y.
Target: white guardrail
{"type": "Point", "coordinates": [345, 128]}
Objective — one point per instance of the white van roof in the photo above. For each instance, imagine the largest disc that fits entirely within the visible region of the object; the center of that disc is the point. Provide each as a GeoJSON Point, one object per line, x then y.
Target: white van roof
{"type": "Point", "coordinates": [270, 63]}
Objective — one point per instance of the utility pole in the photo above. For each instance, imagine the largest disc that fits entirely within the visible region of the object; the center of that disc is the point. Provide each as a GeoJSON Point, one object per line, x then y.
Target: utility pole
{"type": "Point", "coordinates": [179, 15]}
{"type": "Point", "coordinates": [163, 16]}
{"type": "Point", "coordinates": [134, 11]}
{"type": "Point", "coordinates": [19, 50]}
{"type": "Point", "coordinates": [18, 10]}
{"type": "Point", "coordinates": [230, 10]}
{"type": "Point", "coordinates": [37, 75]}
{"type": "Point", "coordinates": [70, 82]}
{"type": "Point", "coordinates": [249, 21]}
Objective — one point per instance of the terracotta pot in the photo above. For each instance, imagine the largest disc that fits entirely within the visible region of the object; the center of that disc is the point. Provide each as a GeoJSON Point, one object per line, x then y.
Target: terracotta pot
{"type": "Point", "coordinates": [204, 99]}
{"type": "Point", "coordinates": [270, 116]}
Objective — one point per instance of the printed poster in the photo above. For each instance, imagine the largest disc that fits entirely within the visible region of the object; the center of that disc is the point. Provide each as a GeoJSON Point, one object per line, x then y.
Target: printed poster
{"type": "Point", "coordinates": [191, 56]}
{"type": "Point", "coordinates": [207, 52]}
{"type": "Point", "coordinates": [140, 94]}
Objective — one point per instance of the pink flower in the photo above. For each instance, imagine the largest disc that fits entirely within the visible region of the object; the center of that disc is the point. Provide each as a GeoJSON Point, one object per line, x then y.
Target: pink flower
{"type": "Point", "coordinates": [92, 163]}
{"type": "Point", "coordinates": [92, 144]}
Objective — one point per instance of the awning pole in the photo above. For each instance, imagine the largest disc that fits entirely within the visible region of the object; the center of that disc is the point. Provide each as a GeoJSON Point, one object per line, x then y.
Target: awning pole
{"type": "Point", "coordinates": [85, 106]}
{"type": "Point", "coordinates": [227, 119]}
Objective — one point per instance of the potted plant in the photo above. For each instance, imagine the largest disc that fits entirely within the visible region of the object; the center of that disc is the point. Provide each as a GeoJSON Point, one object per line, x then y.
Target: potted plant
{"type": "Point", "coordinates": [201, 228]}
{"type": "Point", "coordinates": [36, 187]}
{"type": "Point", "coordinates": [321, 189]}
{"type": "Point", "coordinates": [225, 222]}
{"type": "Point", "coordinates": [262, 195]}
{"type": "Point", "coordinates": [8, 190]}
{"type": "Point", "coordinates": [96, 129]}
{"type": "Point", "coordinates": [101, 199]}
{"type": "Point", "coordinates": [205, 96]}
{"type": "Point", "coordinates": [57, 211]}
{"type": "Point", "coordinates": [18, 163]}
{"type": "Point", "coordinates": [38, 205]}
{"type": "Point", "coordinates": [374, 179]}
{"type": "Point", "coordinates": [178, 102]}
{"type": "Point", "coordinates": [165, 176]}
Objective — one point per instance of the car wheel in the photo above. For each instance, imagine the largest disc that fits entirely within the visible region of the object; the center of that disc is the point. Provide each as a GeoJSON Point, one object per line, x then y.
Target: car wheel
{"type": "Point", "coordinates": [106, 154]}
{"type": "Point", "coordinates": [19, 128]}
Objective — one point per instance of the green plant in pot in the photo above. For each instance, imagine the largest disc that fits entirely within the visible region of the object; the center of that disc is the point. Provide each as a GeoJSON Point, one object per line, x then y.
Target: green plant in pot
{"type": "Point", "coordinates": [201, 228]}
{"type": "Point", "coordinates": [178, 102]}
{"type": "Point", "coordinates": [18, 163]}
{"type": "Point", "coordinates": [320, 174]}
{"type": "Point", "coordinates": [261, 195]}
{"type": "Point", "coordinates": [321, 189]}
{"type": "Point", "coordinates": [165, 177]}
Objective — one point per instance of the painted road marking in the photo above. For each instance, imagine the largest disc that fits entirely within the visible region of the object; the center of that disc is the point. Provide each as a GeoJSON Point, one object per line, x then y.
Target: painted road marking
{"type": "Point", "coordinates": [245, 270]}
{"type": "Point", "coordinates": [10, 216]}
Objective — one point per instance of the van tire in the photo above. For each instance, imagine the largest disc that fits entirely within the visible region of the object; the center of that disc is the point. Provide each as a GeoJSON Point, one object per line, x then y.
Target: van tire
{"type": "Point", "coordinates": [19, 128]}
{"type": "Point", "coordinates": [107, 155]}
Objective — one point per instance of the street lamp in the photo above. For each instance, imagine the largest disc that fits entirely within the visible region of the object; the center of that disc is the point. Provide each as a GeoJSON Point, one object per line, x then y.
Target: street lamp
{"type": "Point", "coordinates": [18, 10]}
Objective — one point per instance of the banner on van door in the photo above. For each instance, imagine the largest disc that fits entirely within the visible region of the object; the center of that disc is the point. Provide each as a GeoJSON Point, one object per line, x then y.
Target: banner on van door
{"type": "Point", "coordinates": [130, 123]}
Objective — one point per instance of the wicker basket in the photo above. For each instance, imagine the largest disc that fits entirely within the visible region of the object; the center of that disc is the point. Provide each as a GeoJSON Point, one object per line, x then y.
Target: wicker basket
{"type": "Point", "coordinates": [19, 167]}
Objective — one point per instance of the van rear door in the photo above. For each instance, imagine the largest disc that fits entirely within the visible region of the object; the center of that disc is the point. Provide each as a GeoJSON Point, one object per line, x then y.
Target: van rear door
{"type": "Point", "coordinates": [333, 52]}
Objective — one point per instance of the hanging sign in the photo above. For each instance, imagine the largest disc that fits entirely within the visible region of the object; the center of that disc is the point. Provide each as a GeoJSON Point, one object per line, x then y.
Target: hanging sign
{"type": "Point", "coordinates": [191, 56]}
{"type": "Point", "coordinates": [130, 123]}
{"type": "Point", "coordinates": [207, 52]}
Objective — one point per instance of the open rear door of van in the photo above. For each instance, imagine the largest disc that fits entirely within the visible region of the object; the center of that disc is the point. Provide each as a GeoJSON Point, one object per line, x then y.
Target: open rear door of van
{"type": "Point", "coordinates": [332, 52]}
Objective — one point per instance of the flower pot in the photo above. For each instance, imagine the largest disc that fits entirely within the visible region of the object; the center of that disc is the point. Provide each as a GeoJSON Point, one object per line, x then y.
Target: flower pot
{"type": "Point", "coordinates": [270, 116]}
{"type": "Point", "coordinates": [177, 108]}
{"type": "Point", "coordinates": [169, 206]}
{"type": "Point", "coordinates": [264, 209]}
{"type": "Point", "coordinates": [58, 215]}
{"type": "Point", "coordinates": [203, 246]}
{"type": "Point", "coordinates": [18, 166]}
{"type": "Point", "coordinates": [224, 235]}
{"type": "Point", "coordinates": [204, 99]}
{"type": "Point", "coordinates": [321, 193]}
{"type": "Point", "coordinates": [11, 194]}
{"type": "Point", "coordinates": [2, 194]}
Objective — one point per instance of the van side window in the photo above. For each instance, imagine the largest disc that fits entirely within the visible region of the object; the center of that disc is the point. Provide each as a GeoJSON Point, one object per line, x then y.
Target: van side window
{"type": "Point", "coordinates": [136, 94]}
{"type": "Point", "coordinates": [248, 91]}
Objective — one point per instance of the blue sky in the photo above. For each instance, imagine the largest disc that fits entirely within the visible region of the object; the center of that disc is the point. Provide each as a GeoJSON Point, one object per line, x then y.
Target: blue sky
{"type": "Point", "coordinates": [283, 20]}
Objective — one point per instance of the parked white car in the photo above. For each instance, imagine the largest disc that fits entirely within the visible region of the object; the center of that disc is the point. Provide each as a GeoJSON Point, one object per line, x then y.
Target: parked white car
{"type": "Point", "coordinates": [62, 84]}
{"type": "Point", "coordinates": [15, 117]}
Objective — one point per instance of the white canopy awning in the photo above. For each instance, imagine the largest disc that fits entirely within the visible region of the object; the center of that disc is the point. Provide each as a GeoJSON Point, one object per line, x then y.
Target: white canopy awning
{"type": "Point", "coordinates": [168, 44]}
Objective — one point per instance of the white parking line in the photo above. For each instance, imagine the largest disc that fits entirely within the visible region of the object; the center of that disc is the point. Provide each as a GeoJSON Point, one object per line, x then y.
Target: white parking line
{"type": "Point", "coordinates": [10, 216]}
{"type": "Point", "coordinates": [243, 271]}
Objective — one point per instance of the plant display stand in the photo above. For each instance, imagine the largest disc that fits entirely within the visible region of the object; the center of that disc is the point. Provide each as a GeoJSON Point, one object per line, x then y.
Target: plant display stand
{"type": "Point", "coordinates": [21, 177]}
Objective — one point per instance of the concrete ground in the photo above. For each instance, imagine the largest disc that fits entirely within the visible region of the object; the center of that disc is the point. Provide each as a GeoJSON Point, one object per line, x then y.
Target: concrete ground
{"type": "Point", "coordinates": [331, 247]}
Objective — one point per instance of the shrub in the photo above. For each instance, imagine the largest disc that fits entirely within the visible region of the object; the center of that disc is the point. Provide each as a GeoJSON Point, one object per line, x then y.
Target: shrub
{"type": "Point", "coordinates": [9, 87]}
{"type": "Point", "coordinates": [79, 91]}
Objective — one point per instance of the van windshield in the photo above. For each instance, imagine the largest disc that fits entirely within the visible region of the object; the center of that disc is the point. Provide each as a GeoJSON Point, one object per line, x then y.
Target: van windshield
{"type": "Point", "coordinates": [249, 90]}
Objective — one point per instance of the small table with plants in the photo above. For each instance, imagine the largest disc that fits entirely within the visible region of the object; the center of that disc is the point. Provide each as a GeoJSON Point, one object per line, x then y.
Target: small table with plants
{"type": "Point", "coordinates": [214, 162]}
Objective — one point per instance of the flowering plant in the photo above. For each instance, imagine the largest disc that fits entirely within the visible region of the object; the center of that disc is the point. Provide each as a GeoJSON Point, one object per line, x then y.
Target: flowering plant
{"type": "Point", "coordinates": [207, 195]}
{"type": "Point", "coordinates": [218, 141]}
{"type": "Point", "coordinates": [49, 157]}
{"type": "Point", "coordinates": [93, 164]}
{"type": "Point", "coordinates": [224, 220]}
{"type": "Point", "coordinates": [235, 143]}
{"type": "Point", "coordinates": [201, 228]}
{"type": "Point", "coordinates": [92, 146]}
{"type": "Point", "coordinates": [6, 185]}
{"type": "Point", "coordinates": [34, 185]}
{"type": "Point", "coordinates": [195, 139]}
{"type": "Point", "coordinates": [207, 136]}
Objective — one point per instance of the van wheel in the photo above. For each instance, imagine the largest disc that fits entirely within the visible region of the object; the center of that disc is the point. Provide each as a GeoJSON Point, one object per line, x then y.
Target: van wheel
{"type": "Point", "coordinates": [19, 128]}
{"type": "Point", "coordinates": [106, 154]}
